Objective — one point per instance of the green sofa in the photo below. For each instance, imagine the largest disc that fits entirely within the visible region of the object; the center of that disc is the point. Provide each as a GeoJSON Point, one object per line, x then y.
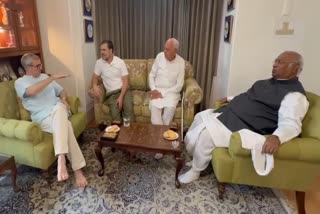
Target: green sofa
{"type": "Point", "coordinates": [296, 164]}
{"type": "Point", "coordinates": [138, 81]}
{"type": "Point", "coordinates": [24, 139]}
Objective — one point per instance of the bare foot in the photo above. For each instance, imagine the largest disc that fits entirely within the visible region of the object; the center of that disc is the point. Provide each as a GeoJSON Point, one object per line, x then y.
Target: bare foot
{"type": "Point", "coordinates": [81, 181]}
{"type": "Point", "coordinates": [62, 168]}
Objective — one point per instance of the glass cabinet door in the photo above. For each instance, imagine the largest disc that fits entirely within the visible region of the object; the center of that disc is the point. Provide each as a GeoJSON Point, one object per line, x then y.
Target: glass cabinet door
{"type": "Point", "coordinates": [8, 40]}
{"type": "Point", "coordinates": [25, 21]}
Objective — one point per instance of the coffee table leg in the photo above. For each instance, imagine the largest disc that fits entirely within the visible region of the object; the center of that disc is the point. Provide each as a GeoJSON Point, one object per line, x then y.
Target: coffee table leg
{"type": "Point", "coordinates": [99, 156]}
{"type": "Point", "coordinates": [14, 175]}
{"type": "Point", "coordinates": [178, 168]}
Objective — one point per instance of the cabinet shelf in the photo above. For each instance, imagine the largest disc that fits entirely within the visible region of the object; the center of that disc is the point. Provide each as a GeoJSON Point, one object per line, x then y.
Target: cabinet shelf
{"type": "Point", "coordinates": [5, 27]}
{"type": "Point", "coordinates": [27, 28]}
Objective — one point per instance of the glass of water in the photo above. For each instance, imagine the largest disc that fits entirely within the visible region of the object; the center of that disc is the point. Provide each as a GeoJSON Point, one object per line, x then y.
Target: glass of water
{"type": "Point", "coordinates": [126, 121]}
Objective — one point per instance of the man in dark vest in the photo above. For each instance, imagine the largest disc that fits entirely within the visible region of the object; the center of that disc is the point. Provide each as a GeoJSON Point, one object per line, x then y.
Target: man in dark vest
{"type": "Point", "coordinates": [273, 107]}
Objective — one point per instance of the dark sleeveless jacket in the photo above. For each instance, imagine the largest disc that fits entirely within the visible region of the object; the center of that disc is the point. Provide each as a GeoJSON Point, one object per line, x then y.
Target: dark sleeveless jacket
{"type": "Point", "coordinates": [257, 109]}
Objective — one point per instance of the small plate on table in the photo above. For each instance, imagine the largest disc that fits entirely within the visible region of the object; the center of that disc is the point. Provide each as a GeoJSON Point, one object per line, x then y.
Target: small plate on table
{"type": "Point", "coordinates": [170, 135]}
{"type": "Point", "coordinates": [112, 129]}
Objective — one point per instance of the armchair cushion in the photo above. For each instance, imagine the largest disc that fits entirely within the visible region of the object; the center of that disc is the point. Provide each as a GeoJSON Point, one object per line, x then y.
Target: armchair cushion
{"type": "Point", "coordinates": [24, 114]}
{"type": "Point", "coordinates": [138, 79]}
{"type": "Point", "coordinates": [74, 103]}
{"type": "Point", "coordinates": [8, 108]}
{"type": "Point", "coordinates": [22, 130]}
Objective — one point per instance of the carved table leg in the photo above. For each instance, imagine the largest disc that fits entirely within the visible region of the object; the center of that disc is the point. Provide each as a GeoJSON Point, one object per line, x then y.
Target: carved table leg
{"type": "Point", "coordinates": [300, 199]}
{"type": "Point", "coordinates": [221, 189]}
{"type": "Point", "coordinates": [99, 156]}
{"type": "Point", "coordinates": [13, 174]}
{"type": "Point", "coordinates": [179, 162]}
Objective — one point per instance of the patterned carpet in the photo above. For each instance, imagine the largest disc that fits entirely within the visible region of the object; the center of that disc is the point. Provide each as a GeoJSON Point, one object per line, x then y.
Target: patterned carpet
{"type": "Point", "coordinates": [130, 185]}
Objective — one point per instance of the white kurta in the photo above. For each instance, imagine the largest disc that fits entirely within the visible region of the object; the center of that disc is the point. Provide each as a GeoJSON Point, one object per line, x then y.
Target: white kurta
{"type": "Point", "coordinates": [207, 132]}
{"type": "Point", "coordinates": [167, 77]}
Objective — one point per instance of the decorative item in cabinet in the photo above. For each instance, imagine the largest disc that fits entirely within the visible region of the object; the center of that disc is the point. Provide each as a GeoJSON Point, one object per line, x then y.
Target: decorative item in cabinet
{"type": "Point", "coordinates": [26, 24]}
{"type": "Point", "coordinates": [7, 31]}
{"type": "Point", "coordinates": [19, 29]}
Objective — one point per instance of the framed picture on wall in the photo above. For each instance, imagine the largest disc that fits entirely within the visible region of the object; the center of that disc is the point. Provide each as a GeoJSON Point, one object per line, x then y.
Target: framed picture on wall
{"type": "Point", "coordinates": [87, 7]}
{"type": "Point", "coordinates": [88, 30]}
{"type": "Point", "coordinates": [231, 4]}
{"type": "Point", "coordinates": [228, 28]}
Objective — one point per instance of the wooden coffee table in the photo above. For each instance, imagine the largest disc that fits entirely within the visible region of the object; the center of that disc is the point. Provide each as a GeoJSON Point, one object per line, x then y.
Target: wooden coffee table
{"type": "Point", "coordinates": [7, 163]}
{"type": "Point", "coordinates": [145, 138]}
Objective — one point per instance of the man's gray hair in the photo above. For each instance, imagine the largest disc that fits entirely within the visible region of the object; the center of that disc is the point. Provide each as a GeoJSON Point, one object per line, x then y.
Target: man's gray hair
{"type": "Point", "coordinates": [176, 43]}
{"type": "Point", "coordinates": [27, 58]}
{"type": "Point", "coordinates": [300, 62]}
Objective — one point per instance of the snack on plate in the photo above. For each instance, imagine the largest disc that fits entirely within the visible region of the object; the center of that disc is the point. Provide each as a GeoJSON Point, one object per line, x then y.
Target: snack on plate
{"type": "Point", "coordinates": [112, 129]}
{"type": "Point", "coordinates": [170, 134]}
{"type": "Point", "coordinates": [110, 134]}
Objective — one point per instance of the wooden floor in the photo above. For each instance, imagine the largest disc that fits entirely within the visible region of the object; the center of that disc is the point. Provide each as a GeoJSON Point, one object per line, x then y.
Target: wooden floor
{"type": "Point", "coordinates": [312, 202]}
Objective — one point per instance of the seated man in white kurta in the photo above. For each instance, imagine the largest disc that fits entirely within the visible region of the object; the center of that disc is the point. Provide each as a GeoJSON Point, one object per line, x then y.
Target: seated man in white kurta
{"type": "Point", "coordinates": [166, 81]}
{"type": "Point", "coordinates": [274, 107]}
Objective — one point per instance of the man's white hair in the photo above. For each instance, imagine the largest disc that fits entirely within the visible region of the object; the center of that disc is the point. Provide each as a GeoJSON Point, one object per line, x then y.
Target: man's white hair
{"type": "Point", "coordinates": [175, 43]}
{"type": "Point", "coordinates": [27, 58]}
{"type": "Point", "coordinates": [300, 62]}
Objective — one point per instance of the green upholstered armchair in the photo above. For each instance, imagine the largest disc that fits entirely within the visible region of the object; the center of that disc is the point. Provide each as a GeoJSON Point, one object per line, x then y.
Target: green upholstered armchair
{"type": "Point", "coordinates": [138, 81]}
{"type": "Point", "coordinates": [24, 139]}
{"type": "Point", "coordinates": [296, 164]}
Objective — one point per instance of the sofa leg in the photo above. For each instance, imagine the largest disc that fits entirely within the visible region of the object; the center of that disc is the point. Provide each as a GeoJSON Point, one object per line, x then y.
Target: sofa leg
{"type": "Point", "coordinates": [300, 199]}
{"type": "Point", "coordinates": [80, 138]}
{"type": "Point", "coordinates": [45, 173]}
{"type": "Point", "coordinates": [221, 189]}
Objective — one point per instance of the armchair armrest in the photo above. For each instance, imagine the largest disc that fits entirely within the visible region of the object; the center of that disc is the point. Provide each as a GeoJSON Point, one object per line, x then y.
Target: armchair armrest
{"type": "Point", "coordinates": [235, 146]}
{"type": "Point", "coordinates": [22, 130]}
{"type": "Point", "coordinates": [193, 92]}
{"type": "Point", "coordinates": [303, 149]}
{"type": "Point", "coordinates": [74, 103]}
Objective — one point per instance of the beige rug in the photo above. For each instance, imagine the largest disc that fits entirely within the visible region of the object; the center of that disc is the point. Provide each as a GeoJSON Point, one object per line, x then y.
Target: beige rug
{"type": "Point", "coordinates": [140, 185]}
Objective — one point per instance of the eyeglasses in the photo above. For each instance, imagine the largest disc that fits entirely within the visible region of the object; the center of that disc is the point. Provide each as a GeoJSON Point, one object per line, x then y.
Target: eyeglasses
{"type": "Point", "coordinates": [39, 66]}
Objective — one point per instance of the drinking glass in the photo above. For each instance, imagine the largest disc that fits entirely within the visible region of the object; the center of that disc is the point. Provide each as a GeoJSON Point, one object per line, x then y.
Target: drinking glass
{"type": "Point", "coordinates": [126, 121]}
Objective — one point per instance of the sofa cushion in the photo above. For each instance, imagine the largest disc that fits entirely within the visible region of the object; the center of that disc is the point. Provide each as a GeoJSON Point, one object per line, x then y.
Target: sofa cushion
{"type": "Point", "coordinates": [8, 102]}
{"type": "Point", "coordinates": [138, 97]}
{"type": "Point", "coordinates": [137, 69]}
{"type": "Point", "coordinates": [141, 95]}
{"type": "Point", "coordinates": [311, 122]}
{"type": "Point", "coordinates": [24, 114]}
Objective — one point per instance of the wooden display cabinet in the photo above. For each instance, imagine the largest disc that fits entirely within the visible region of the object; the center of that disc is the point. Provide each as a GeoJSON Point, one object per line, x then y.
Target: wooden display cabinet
{"type": "Point", "coordinates": [19, 30]}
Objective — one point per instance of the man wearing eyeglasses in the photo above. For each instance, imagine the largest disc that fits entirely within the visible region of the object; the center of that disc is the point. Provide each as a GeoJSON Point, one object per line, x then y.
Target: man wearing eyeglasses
{"type": "Point", "coordinates": [274, 107]}
{"type": "Point", "coordinates": [47, 102]}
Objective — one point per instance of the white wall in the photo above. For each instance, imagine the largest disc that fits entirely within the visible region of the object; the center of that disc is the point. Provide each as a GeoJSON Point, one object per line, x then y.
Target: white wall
{"type": "Point", "coordinates": [254, 44]}
{"type": "Point", "coordinates": [64, 49]}
{"type": "Point", "coordinates": [221, 80]}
